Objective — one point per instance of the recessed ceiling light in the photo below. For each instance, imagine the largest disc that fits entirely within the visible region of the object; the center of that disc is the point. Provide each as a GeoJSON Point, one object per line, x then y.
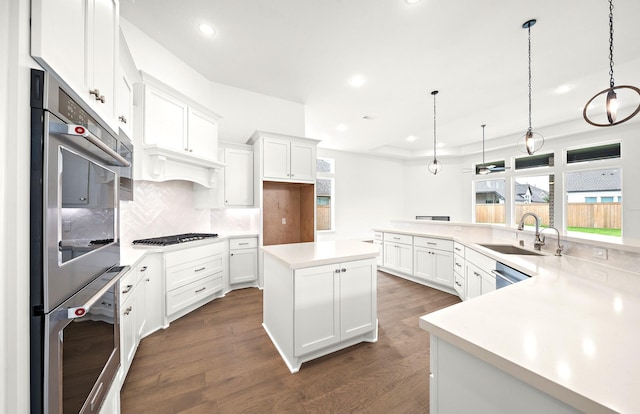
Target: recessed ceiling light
{"type": "Point", "coordinates": [341, 127]}
{"type": "Point", "coordinates": [412, 1]}
{"type": "Point", "coordinates": [206, 29]}
{"type": "Point", "coordinates": [357, 81]}
{"type": "Point", "coordinates": [411, 138]}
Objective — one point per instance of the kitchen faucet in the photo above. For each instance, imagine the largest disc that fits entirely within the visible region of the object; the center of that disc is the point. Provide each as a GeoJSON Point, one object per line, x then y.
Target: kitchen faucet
{"type": "Point", "coordinates": [538, 242]}
{"type": "Point", "coordinates": [559, 247]}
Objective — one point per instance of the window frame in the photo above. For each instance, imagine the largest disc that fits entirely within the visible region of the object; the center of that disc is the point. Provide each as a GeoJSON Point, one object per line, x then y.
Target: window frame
{"type": "Point", "coordinates": [332, 204]}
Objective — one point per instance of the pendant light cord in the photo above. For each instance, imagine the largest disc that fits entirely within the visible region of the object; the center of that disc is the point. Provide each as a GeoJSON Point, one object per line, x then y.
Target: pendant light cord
{"type": "Point", "coordinates": [483, 163]}
{"type": "Point", "coordinates": [611, 83]}
{"type": "Point", "coordinates": [529, 32]}
{"type": "Point", "coordinates": [434, 124]}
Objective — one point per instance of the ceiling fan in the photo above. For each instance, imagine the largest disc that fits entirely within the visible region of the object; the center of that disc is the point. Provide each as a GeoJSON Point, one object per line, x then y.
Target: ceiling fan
{"type": "Point", "coordinates": [487, 168]}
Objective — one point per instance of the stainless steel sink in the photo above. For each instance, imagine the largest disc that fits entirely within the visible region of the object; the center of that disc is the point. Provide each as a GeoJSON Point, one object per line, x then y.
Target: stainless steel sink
{"type": "Point", "coordinates": [510, 249]}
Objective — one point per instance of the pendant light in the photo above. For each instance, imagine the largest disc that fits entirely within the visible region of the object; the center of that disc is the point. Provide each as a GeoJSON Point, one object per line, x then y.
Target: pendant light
{"type": "Point", "coordinates": [434, 166]}
{"type": "Point", "coordinates": [612, 102]}
{"type": "Point", "coordinates": [532, 141]}
{"type": "Point", "coordinates": [485, 169]}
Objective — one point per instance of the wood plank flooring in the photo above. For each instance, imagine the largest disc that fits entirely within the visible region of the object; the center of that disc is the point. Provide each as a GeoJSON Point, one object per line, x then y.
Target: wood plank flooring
{"type": "Point", "coordinates": [218, 359]}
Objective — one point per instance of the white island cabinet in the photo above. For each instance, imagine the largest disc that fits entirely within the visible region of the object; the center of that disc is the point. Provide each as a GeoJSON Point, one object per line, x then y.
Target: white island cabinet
{"type": "Point", "coordinates": [319, 298]}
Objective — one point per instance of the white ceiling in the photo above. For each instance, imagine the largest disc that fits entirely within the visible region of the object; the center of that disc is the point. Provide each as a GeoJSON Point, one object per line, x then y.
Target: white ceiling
{"type": "Point", "coordinates": [473, 52]}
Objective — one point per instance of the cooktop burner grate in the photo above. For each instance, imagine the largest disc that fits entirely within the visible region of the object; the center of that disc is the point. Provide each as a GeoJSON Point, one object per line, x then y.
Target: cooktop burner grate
{"type": "Point", "coordinates": [174, 239]}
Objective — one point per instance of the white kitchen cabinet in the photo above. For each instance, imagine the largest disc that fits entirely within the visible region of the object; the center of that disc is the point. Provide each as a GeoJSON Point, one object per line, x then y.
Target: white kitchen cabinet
{"type": "Point", "coordinates": [77, 41]}
{"type": "Point", "coordinates": [398, 252]}
{"type": "Point", "coordinates": [151, 277]}
{"type": "Point", "coordinates": [284, 157]}
{"type": "Point", "coordinates": [378, 240]}
{"type": "Point", "coordinates": [243, 260]}
{"type": "Point", "coordinates": [127, 76]}
{"type": "Point", "coordinates": [459, 270]}
{"type": "Point", "coordinates": [202, 134]}
{"type": "Point", "coordinates": [194, 276]}
{"type": "Point", "coordinates": [129, 319]}
{"type": "Point", "coordinates": [333, 303]}
{"type": "Point", "coordinates": [433, 260]}
{"type": "Point", "coordinates": [238, 178]}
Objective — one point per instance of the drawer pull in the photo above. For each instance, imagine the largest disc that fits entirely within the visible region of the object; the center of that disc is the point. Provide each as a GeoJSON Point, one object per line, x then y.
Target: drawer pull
{"type": "Point", "coordinates": [127, 289]}
{"type": "Point", "coordinates": [201, 289]}
{"type": "Point", "coordinates": [457, 249]}
{"type": "Point", "coordinates": [458, 283]}
{"type": "Point", "coordinates": [432, 243]}
{"type": "Point", "coordinates": [143, 269]}
{"type": "Point", "coordinates": [343, 270]}
{"type": "Point", "coordinates": [243, 244]}
{"type": "Point", "coordinates": [128, 310]}
{"type": "Point", "coordinates": [396, 238]}
{"type": "Point", "coordinates": [458, 264]}
{"type": "Point", "coordinates": [200, 269]}
{"type": "Point", "coordinates": [476, 273]}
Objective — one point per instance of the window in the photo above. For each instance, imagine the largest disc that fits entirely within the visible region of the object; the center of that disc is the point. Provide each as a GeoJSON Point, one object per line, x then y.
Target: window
{"type": "Point", "coordinates": [586, 215]}
{"type": "Point", "coordinates": [601, 152]}
{"type": "Point", "coordinates": [534, 161]}
{"type": "Point", "coordinates": [535, 194]}
{"type": "Point", "coordinates": [489, 201]}
{"type": "Point", "coordinates": [325, 194]}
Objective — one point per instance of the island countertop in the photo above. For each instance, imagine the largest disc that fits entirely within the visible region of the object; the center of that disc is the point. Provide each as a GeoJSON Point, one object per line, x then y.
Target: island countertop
{"type": "Point", "coordinates": [301, 255]}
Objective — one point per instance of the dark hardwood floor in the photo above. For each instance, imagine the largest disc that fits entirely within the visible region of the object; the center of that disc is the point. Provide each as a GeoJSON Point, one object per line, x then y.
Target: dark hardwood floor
{"type": "Point", "coordinates": [218, 359]}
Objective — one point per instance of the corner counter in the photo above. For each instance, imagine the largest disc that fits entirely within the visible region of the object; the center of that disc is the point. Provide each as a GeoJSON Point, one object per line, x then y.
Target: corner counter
{"type": "Point", "coordinates": [319, 297]}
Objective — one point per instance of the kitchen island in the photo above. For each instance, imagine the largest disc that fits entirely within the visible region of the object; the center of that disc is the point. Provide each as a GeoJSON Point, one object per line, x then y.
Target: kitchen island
{"type": "Point", "coordinates": [319, 297]}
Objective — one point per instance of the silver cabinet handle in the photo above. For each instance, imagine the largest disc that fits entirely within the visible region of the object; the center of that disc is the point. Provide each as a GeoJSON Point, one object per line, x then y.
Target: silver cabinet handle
{"type": "Point", "coordinates": [396, 238]}
{"type": "Point", "coordinates": [457, 249]}
{"type": "Point", "coordinates": [458, 264]}
{"type": "Point", "coordinates": [122, 119]}
{"type": "Point", "coordinates": [476, 273]}
{"type": "Point", "coordinates": [143, 268]}
{"type": "Point", "coordinates": [200, 290]}
{"type": "Point", "coordinates": [242, 244]}
{"type": "Point", "coordinates": [127, 289]}
{"type": "Point", "coordinates": [200, 270]}
{"type": "Point", "coordinates": [337, 271]}
{"type": "Point", "coordinates": [128, 310]}
{"type": "Point", "coordinates": [343, 270]}
{"type": "Point", "coordinates": [458, 283]}
{"type": "Point", "coordinates": [432, 243]}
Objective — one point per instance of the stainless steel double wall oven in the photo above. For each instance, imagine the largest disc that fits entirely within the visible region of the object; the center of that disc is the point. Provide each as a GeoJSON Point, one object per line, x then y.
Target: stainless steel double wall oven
{"type": "Point", "coordinates": [79, 170]}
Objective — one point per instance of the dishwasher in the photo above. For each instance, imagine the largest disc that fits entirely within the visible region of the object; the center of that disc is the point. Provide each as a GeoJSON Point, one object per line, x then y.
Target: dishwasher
{"type": "Point", "coordinates": [506, 276]}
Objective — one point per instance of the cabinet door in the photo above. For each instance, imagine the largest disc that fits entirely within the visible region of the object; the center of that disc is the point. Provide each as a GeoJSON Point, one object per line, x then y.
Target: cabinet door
{"type": "Point", "coordinates": [276, 158]}
{"type": "Point", "coordinates": [443, 267]}
{"type": "Point", "coordinates": [424, 263]}
{"type": "Point", "coordinates": [243, 265]}
{"type": "Point", "coordinates": [102, 63]}
{"type": "Point", "coordinates": [316, 308]}
{"type": "Point", "coordinates": [380, 257]}
{"type": "Point", "coordinates": [405, 258]}
{"type": "Point", "coordinates": [473, 281]}
{"type": "Point", "coordinates": [124, 106]}
{"type": "Point", "coordinates": [202, 136]}
{"type": "Point", "coordinates": [165, 120]}
{"type": "Point", "coordinates": [357, 298]}
{"type": "Point", "coordinates": [303, 161]}
{"type": "Point", "coordinates": [59, 39]}
{"type": "Point", "coordinates": [128, 333]}
{"type": "Point", "coordinates": [140, 313]}
{"type": "Point", "coordinates": [238, 177]}
{"type": "Point", "coordinates": [390, 255]}
{"type": "Point", "coordinates": [151, 282]}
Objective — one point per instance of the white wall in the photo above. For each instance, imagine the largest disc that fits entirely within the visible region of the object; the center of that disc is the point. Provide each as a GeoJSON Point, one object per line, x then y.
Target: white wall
{"type": "Point", "coordinates": [243, 111]}
{"type": "Point", "coordinates": [368, 193]}
{"type": "Point", "coordinates": [434, 195]}
{"type": "Point", "coordinates": [15, 63]}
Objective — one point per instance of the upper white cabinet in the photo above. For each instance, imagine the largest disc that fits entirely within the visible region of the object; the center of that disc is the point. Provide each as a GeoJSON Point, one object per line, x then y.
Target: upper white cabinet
{"type": "Point", "coordinates": [284, 157]}
{"type": "Point", "coordinates": [77, 40]}
{"type": "Point", "coordinates": [238, 178]}
{"type": "Point", "coordinates": [179, 136]}
{"type": "Point", "coordinates": [126, 76]}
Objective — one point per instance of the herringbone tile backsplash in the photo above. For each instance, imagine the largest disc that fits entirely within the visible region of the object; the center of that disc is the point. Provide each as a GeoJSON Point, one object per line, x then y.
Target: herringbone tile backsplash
{"type": "Point", "coordinates": [161, 209]}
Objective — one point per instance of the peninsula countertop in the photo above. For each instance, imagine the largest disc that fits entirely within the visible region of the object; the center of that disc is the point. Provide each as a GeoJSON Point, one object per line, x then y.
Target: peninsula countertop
{"type": "Point", "coordinates": [301, 255]}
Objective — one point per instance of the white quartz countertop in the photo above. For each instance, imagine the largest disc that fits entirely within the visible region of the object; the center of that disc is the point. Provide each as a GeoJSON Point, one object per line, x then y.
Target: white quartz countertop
{"type": "Point", "coordinates": [572, 330]}
{"type": "Point", "coordinates": [301, 255]}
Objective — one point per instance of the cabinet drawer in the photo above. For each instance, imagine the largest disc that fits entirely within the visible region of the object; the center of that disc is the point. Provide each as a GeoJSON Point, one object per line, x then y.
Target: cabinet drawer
{"type": "Point", "coordinates": [179, 257]}
{"type": "Point", "coordinates": [243, 243]}
{"type": "Point", "coordinates": [398, 238]}
{"type": "Point", "coordinates": [377, 235]}
{"type": "Point", "coordinates": [433, 243]}
{"type": "Point", "coordinates": [181, 275]}
{"type": "Point", "coordinates": [127, 284]}
{"type": "Point", "coordinates": [458, 284]}
{"type": "Point", "coordinates": [458, 248]}
{"type": "Point", "coordinates": [193, 292]}
{"type": "Point", "coordinates": [458, 264]}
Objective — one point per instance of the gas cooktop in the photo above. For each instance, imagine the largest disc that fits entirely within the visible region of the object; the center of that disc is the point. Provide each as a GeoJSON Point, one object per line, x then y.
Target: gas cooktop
{"type": "Point", "coordinates": [174, 239]}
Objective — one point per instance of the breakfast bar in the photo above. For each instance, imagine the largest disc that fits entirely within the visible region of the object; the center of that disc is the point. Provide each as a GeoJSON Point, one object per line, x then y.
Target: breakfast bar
{"type": "Point", "coordinates": [319, 297]}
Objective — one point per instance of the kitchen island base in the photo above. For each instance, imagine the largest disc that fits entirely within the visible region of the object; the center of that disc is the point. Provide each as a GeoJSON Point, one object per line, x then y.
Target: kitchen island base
{"type": "Point", "coordinates": [313, 310]}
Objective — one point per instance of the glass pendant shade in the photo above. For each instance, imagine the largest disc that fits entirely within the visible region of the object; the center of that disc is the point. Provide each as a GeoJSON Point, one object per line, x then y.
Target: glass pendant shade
{"type": "Point", "coordinates": [434, 166]}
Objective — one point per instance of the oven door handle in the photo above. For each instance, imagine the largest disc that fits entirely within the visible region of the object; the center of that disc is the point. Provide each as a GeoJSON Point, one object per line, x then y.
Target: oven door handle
{"type": "Point", "coordinates": [81, 131]}
{"type": "Point", "coordinates": [80, 311]}
{"type": "Point", "coordinates": [502, 276]}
